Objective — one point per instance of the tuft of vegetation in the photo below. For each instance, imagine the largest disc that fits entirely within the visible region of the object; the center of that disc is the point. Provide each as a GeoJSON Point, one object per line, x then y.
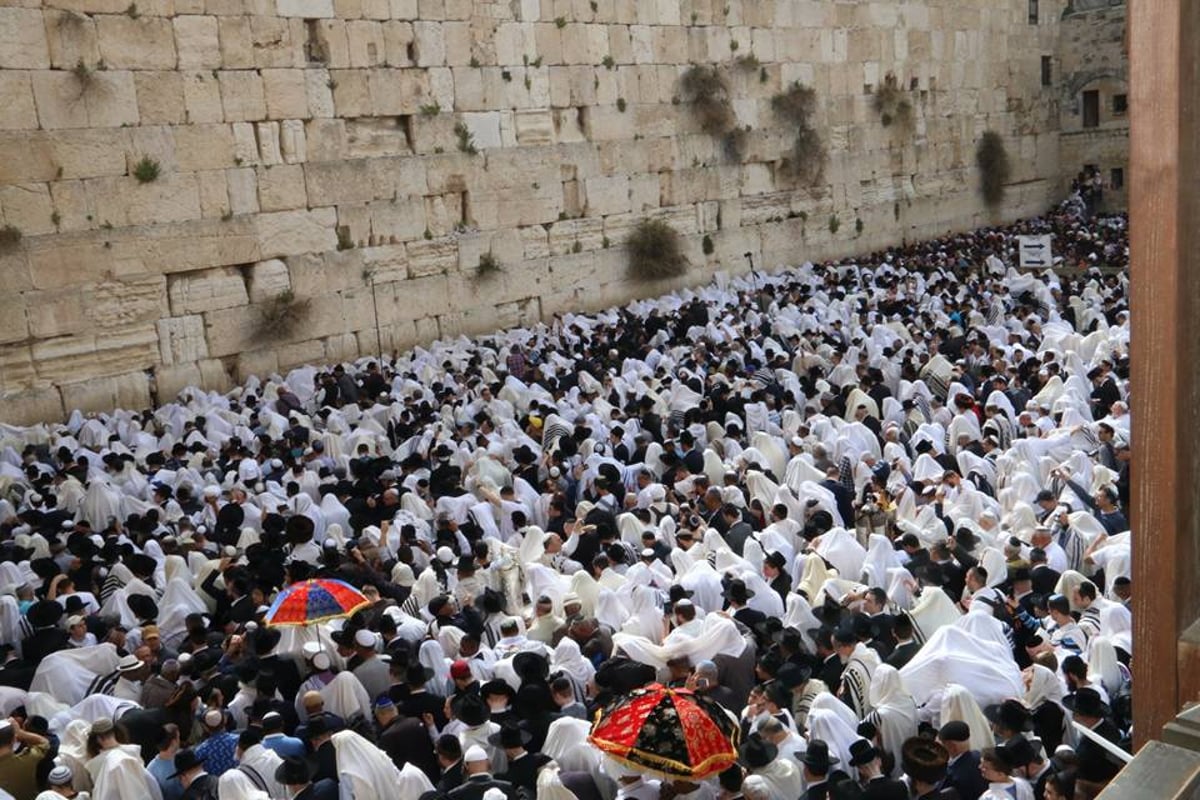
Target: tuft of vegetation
{"type": "Point", "coordinates": [536, 63]}
{"type": "Point", "coordinates": [655, 251]}
{"type": "Point", "coordinates": [994, 169]}
{"type": "Point", "coordinates": [605, 243]}
{"type": "Point", "coordinates": [431, 109]}
{"type": "Point", "coordinates": [488, 266]}
{"type": "Point", "coordinates": [506, 76]}
{"type": "Point", "coordinates": [282, 315]}
{"type": "Point", "coordinates": [466, 140]}
{"type": "Point", "coordinates": [806, 159]}
{"type": "Point", "coordinates": [621, 104]}
{"type": "Point", "coordinates": [748, 62]}
{"type": "Point", "coordinates": [561, 22]}
{"type": "Point", "coordinates": [609, 62]}
{"type": "Point", "coordinates": [10, 237]}
{"type": "Point", "coordinates": [132, 11]}
{"type": "Point", "coordinates": [705, 88]}
{"type": "Point", "coordinates": [427, 235]}
{"type": "Point", "coordinates": [762, 74]}
{"type": "Point", "coordinates": [858, 225]}
{"type": "Point", "coordinates": [55, 219]}
{"type": "Point", "coordinates": [595, 6]}
{"type": "Point", "coordinates": [577, 247]}
{"type": "Point", "coordinates": [147, 170]}
{"type": "Point", "coordinates": [733, 45]}
{"type": "Point", "coordinates": [834, 223]}
{"type": "Point", "coordinates": [892, 104]}
{"type": "Point", "coordinates": [344, 240]}
{"type": "Point", "coordinates": [474, 62]}
{"type": "Point", "coordinates": [707, 245]}
{"type": "Point", "coordinates": [84, 74]}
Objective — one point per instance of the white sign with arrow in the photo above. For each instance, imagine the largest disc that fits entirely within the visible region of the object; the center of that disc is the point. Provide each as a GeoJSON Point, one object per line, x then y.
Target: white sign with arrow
{"type": "Point", "coordinates": [1035, 251]}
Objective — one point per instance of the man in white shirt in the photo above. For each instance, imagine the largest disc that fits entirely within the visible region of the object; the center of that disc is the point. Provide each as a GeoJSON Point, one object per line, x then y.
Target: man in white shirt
{"type": "Point", "coordinates": [1056, 557]}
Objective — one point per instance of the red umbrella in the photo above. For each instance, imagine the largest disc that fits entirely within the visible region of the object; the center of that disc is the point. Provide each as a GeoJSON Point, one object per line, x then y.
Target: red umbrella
{"type": "Point", "coordinates": [671, 732]}
{"type": "Point", "coordinates": [315, 601]}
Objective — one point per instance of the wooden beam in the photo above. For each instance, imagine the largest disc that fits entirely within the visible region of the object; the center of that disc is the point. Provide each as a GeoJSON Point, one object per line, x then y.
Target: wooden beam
{"type": "Point", "coordinates": [1162, 485]}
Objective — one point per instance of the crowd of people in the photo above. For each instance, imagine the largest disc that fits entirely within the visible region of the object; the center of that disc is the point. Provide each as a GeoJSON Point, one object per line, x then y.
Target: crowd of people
{"type": "Point", "coordinates": [875, 509]}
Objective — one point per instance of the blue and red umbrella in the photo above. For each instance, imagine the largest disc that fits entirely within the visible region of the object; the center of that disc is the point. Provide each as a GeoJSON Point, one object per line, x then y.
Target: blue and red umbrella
{"type": "Point", "coordinates": [314, 601]}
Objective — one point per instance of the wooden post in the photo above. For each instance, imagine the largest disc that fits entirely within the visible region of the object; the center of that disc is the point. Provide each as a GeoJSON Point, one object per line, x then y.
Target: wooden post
{"type": "Point", "coordinates": [1164, 235]}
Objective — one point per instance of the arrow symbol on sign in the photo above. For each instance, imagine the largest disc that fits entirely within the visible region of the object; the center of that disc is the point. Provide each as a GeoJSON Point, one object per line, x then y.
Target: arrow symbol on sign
{"type": "Point", "coordinates": [1038, 246]}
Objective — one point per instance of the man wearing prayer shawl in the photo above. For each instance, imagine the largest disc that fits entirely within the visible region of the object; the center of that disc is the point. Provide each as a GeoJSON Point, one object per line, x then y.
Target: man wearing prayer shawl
{"type": "Point", "coordinates": [860, 661]}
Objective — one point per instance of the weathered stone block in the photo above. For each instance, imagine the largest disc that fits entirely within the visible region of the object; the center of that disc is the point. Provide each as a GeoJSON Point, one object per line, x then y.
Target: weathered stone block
{"type": "Point", "coordinates": [28, 207]}
{"type": "Point", "coordinates": [284, 233]}
{"type": "Point", "coordinates": [308, 9]}
{"type": "Point", "coordinates": [202, 98]}
{"type": "Point", "coordinates": [142, 43]}
{"type": "Point", "coordinates": [197, 42]}
{"type": "Point", "coordinates": [281, 188]}
{"type": "Point", "coordinates": [23, 39]}
{"type": "Point", "coordinates": [242, 95]}
{"type": "Point", "coordinates": [286, 93]}
{"type": "Point", "coordinates": [181, 340]}
{"type": "Point", "coordinates": [208, 290]}
{"type": "Point", "coordinates": [16, 98]}
{"type": "Point", "coordinates": [267, 280]}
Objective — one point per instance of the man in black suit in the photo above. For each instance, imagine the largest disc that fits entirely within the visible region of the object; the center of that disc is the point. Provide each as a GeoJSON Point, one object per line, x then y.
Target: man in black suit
{"type": "Point", "coordinates": [906, 646]}
{"type": "Point", "coordinates": [1042, 577]}
{"type": "Point", "coordinates": [962, 768]}
{"type": "Point", "coordinates": [47, 637]}
{"type": "Point", "coordinates": [404, 739]}
{"type": "Point", "coordinates": [775, 572]}
{"type": "Point", "coordinates": [819, 774]}
{"type": "Point", "coordinates": [843, 496]}
{"type": "Point", "coordinates": [523, 766]}
{"type": "Point", "coordinates": [1095, 764]}
{"type": "Point", "coordinates": [324, 757]}
{"type": "Point", "coordinates": [737, 595]}
{"type": "Point", "coordinates": [478, 777]}
{"type": "Point", "coordinates": [876, 786]}
{"type": "Point", "coordinates": [739, 529]}
{"type": "Point", "coordinates": [297, 778]}
{"type": "Point", "coordinates": [450, 759]}
{"type": "Point", "coordinates": [197, 784]}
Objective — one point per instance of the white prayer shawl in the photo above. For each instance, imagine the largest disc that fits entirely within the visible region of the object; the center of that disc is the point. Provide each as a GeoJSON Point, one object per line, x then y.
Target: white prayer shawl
{"type": "Point", "coordinates": [364, 771]}
{"type": "Point", "coordinates": [841, 549]}
{"type": "Point", "coordinates": [856, 679]}
{"type": "Point", "coordinates": [118, 774]}
{"type": "Point", "coordinates": [67, 674]}
{"type": "Point", "coordinates": [90, 709]}
{"type": "Point", "coordinates": [980, 623]}
{"type": "Point", "coordinates": [346, 697]}
{"type": "Point", "coordinates": [569, 659]}
{"type": "Point", "coordinates": [895, 713]}
{"type": "Point", "coordinates": [783, 777]}
{"type": "Point", "coordinates": [265, 761]}
{"type": "Point", "coordinates": [718, 635]}
{"type": "Point", "coordinates": [829, 727]}
{"type": "Point", "coordinates": [413, 782]}
{"type": "Point", "coordinates": [951, 655]}
{"type": "Point", "coordinates": [235, 784]}
{"type": "Point", "coordinates": [958, 704]}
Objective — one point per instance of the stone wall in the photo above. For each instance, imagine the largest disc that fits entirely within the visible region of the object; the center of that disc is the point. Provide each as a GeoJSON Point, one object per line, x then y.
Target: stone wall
{"type": "Point", "coordinates": [1093, 55]}
{"type": "Point", "coordinates": [308, 161]}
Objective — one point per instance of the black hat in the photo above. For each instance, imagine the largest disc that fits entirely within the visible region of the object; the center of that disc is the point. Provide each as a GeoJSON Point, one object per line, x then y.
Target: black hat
{"type": "Point", "coordinates": [778, 694]}
{"type": "Point", "coordinates": [817, 757]}
{"type": "Point", "coordinates": [737, 591]}
{"type": "Point", "coordinates": [775, 559]}
{"type": "Point", "coordinates": [530, 667]}
{"type": "Point", "coordinates": [497, 687]}
{"type": "Point", "coordinates": [143, 606]}
{"type": "Point", "coordinates": [924, 760]}
{"type": "Point", "coordinates": [862, 752]}
{"type": "Point", "coordinates": [44, 613]}
{"type": "Point", "coordinates": [74, 604]}
{"type": "Point", "coordinates": [791, 674]}
{"type": "Point", "coordinates": [955, 731]}
{"type": "Point", "coordinates": [185, 760]}
{"type": "Point", "coordinates": [1086, 701]}
{"type": "Point", "coordinates": [510, 735]}
{"type": "Point", "coordinates": [472, 710]}
{"type": "Point", "coordinates": [466, 564]}
{"type": "Point", "coordinates": [293, 772]}
{"type": "Point", "coordinates": [417, 673]}
{"type": "Point", "coordinates": [317, 726]}
{"type": "Point", "coordinates": [757, 752]}
{"type": "Point", "coordinates": [677, 593]}
{"type": "Point", "coordinates": [1019, 751]}
{"type": "Point", "coordinates": [1011, 715]}
{"type": "Point", "coordinates": [966, 538]}
{"type": "Point", "coordinates": [867, 730]}
{"type": "Point", "coordinates": [1021, 574]}
{"type": "Point", "coordinates": [523, 455]}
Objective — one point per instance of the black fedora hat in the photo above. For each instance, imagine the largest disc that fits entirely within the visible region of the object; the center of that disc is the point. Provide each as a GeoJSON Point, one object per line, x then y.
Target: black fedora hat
{"type": "Point", "coordinates": [862, 752]}
{"type": "Point", "coordinates": [737, 591]}
{"type": "Point", "coordinates": [1011, 715]}
{"type": "Point", "coordinates": [143, 606]}
{"type": "Point", "coordinates": [791, 674]}
{"type": "Point", "coordinates": [1086, 701]}
{"type": "Point", "coordinates": [186, 760]}
{"type": "Point", "coordinates": [510, 735]}
{"type": "Point", "coordinates": [497, 687]}
{"type": "Point", "coordinates": [677, 593]}
{"type": "Point", "coordinates": [924, 760]}
{"type": "Point", "coordinates": [466, 564]}
{"type": "Point", "coordinates": [524, 455]}
{"type": "Point", "coordinates": [775, 559]}
{"type": "Point", "coordinates": [757, 752]}
{"type": "Point", "coordinates": [293, 772]}
{"type": "Point", "coordinates": [472, 710]}
{"type": "Point", "coordinates": [817, 757]}
{"type": "Point", "coordinates": [44, 613]}
{"type": "Point", "coordinates": [1019, 751]}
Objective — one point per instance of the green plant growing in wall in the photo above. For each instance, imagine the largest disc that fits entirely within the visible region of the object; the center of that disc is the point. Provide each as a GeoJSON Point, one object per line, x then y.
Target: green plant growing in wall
{"type": "Point", "coordinates": [858, 225]}
{"type": "Point", "coordinates": [609, 62]}
{"type": "Point", "coordinates": [806, 158]}
{"type": "Point", "coordinates": [834, 223]}
{"type": "Point", "coordinates": [282, 315]}
{"type": "Point", "coordinates": [748, 62]}
{"type": "Point", "coordinates": [706, 91]}
{"type": "Point", "coordinates": [132, 11]}
{"type": "Point", "coordinates": [655, 251]}
{"type": "Point", "coordinates": [893, 105]}
{"type": "Point", "coordinates": [561, 22]}
{"type": "Point", "coordinates": [994, 169]}
{"type": "Point", "coordinates": [488, 266]}
{"type": "Point", "coordinates": [506, 76]}
{"type": "Point", "coordinates": [621, 104]}
{"type": "Point", "coordinates": [466, 140]}
{"type": "Point", "coordinates": [147, 170]}
{"type": "Point", "coordinates": [474, 62]}
{"type": "Point", "coordinates": [344, 240]}
{"type": "Point", "coordinates": [706, 245]}
{"type": "Point", "coordinates": [431, 109]}
{"type": "Point", "coordinates": [10, 237]}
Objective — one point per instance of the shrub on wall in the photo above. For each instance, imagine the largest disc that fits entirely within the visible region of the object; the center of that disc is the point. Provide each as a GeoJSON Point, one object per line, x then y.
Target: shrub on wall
{"type": "Point", "coordinates": [282, 315]}
{"type": "Point", "coordinates": [707, 91]}
{"type": "Point", "coordinates": [655, 251]}
{"type": "Point", "coordinates": [994, 169]}
{"type": "Point", "coordinates": [806, 158]}
{"type": "Point", "coordinates": [892, 104]}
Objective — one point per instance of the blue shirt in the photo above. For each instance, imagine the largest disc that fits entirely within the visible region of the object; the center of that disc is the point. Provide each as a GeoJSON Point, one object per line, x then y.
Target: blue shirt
{"type": "Point", "coordinates": [286, 746]}
{"type": "Point", "coordinates": [217, 753]}
{"type": "Point", "coordinates": [162, 769]}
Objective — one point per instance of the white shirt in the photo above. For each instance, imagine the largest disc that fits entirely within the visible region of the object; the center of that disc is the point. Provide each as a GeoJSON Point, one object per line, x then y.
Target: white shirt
{"type": "Point", "coordinates": [641, 789]}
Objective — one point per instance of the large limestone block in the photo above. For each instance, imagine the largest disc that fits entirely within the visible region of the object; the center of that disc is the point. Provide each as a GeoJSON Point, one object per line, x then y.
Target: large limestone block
{"type": "Point", "coordinates": [412, 299]}
{"type": "Point", "coordinates": [72, 38]}
{"type": "Point", "coordinates": [278, 42]}
{"type": "Point", "coordinates": [286, 93]}
{"type": "Point", "coordinates": [281, 188]}
{"type": "Point", "coordinates": [214, 193]}
{"type": "Point", "coordinates": [269, 151]}
{"type": "Point", "coordinates": [242, 95]}
{"type": "Point", "coordinates": [171, 380]}
{"type": "Point", "coordinates": [607, 195]}
{"type": "Point", "coordinates": [292, 141]}
{"type": "Point", "coordinates": [207, 290]}
{"type": "Point", "coordinates": [432, 257]}
{"type": "Point", "coordinates": [397, 91]}
{"type": "Point", "coordinates": [57, 312]}
{"type": "Point", "coordinates": [14, 326]}
{"type": "Point", "coordinates": [28, 207]}
{"type": "Point", "coordinates": [237, 42]}
{"type": "Point", "coordinates": [399, 220]}
{"type": "Point", "coordinates": [338, 182]}
{"type": "Point", "coordinates": [103, 99]}
{"type": "Point", "coordinates": [65, 358]}
{"type": "Point", "coordinates": [430, 44]}
{"type": "Point", "coordinates": [243, 190]}
{"type": "Point", "coordinates": [181, 340]}
{"type": "Point", "coordinates": [30, 407]}
{"type": "Point", "coordinates": [16, 98]}
{"type": "Point", "coordinates": [484, 127]}
{"type": "Point", "coordinates": [308, 9]}
{"type": "Point", "coordinates": [535, 127]}
{"type": "Point", "coordinates": [197, 42]}
{"type": "Point", "coordinates": [351, 92]}
{"type": "Point", "coordinates": [284, 233]}
{"type": "Point", "coordinates": [160, 97]}
{"type": "Point", "coordinates": [71, 203]}
{"type": "Point", "coordinates": [202, 98]}
{"type": "Point", "coordinates": [142, 43]}
{"type": "Point", "coordinates": [366, 43]}
{"type": "Point", "coordinates": [23, 42]}
{"type": "Point", "coordinates": [267, 279]}
{"type": "Point", "coordinates": [203, 147]}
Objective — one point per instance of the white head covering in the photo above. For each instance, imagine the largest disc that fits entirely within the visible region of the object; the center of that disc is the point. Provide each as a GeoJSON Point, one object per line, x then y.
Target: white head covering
{"type": "Point", "coordinates": [959, 704]}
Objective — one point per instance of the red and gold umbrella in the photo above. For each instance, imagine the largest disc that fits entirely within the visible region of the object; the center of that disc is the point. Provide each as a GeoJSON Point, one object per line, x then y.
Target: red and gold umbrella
{"type": "Point", "coordinates": [307, 602]}
{"type": "Point", "coordinates": [670, 732]}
